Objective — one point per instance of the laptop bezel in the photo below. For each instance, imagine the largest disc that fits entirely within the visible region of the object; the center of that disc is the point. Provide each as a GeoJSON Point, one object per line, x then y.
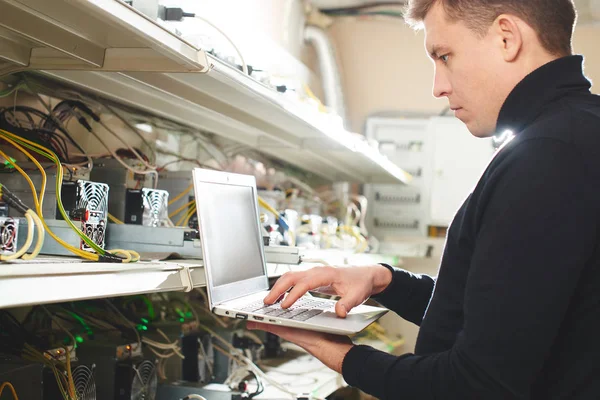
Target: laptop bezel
{"type": "Point", "coordinates": [231, 291]}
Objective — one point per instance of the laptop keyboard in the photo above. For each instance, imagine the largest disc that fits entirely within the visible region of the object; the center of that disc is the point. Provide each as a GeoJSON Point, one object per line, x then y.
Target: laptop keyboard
{"type": "Point", "coordinates": [302, 310]}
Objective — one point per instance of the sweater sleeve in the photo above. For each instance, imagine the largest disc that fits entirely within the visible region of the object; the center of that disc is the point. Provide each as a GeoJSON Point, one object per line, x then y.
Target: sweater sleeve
{"type": "Point", "coordinates": [407, 295]}
{"type": "Point", "coordinates": [533, 238]}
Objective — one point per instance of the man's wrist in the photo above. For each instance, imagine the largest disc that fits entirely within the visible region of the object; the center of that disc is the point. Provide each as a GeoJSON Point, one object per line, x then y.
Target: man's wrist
{"type": "Point", "coordinates": [382, 278]}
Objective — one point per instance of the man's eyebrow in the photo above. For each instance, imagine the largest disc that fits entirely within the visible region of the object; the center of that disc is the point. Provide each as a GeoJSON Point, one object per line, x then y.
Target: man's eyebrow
{"type": "Point", "coordinates": [436, 51]}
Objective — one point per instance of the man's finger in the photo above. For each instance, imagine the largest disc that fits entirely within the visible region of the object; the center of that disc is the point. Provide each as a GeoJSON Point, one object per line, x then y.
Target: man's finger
{"type": "Point", "coordinates": [320, 277]}
{"type": "Point", "coordinates": [347, 303]}
{"type": "Point", "coordinates": [282, 285]}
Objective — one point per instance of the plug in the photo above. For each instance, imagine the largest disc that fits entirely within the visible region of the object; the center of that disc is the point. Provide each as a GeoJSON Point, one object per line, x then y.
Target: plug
{"type": "Point", "coordinates": [173, 13]}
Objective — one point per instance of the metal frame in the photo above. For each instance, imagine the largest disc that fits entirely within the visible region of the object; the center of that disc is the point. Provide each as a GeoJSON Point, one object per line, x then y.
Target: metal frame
{"type": "Point", "coordinates": [106, 35]}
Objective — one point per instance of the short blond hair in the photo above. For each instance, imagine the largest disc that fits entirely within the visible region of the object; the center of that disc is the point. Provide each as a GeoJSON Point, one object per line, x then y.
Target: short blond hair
{"type": "Point", "coordinates": [553, 20]}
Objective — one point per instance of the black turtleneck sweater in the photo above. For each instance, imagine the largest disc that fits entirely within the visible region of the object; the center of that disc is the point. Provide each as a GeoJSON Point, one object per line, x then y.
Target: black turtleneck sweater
{"type": "Point", "coordinates": [515, 310]}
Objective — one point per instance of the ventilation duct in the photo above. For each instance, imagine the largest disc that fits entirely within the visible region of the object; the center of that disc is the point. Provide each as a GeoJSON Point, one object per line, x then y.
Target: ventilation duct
{"type": "Point", "coordinates": [330, 75]}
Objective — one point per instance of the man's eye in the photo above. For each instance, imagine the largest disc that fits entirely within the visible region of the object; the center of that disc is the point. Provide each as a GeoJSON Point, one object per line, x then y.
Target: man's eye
{"type": "Point", "coordinates": [444, 58]}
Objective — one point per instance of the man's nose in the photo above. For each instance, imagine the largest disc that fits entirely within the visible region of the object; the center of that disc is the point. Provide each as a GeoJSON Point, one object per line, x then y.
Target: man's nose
{"type": "Point", "coordinates": [441, 85]}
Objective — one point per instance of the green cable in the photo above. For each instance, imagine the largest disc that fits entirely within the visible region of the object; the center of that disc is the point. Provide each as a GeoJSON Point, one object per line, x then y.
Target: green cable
{"type": "Point", "coordinates": [47, 153]}
{"type": "Point", "coordinates": [10, 90]}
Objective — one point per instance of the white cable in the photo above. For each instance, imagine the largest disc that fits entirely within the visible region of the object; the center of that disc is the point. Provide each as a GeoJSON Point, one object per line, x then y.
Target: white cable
{"type": "Point", "coordinates": [41, 232]}
{"type": "Point", "coordinates": [194, 396]}
{"type": "Point", "coordinates": [131, 149]}
{"type": "Point", "coordinates": [123, 163]}
{"type": "Point", "coordinates": [130, 126]}
{"type": "Point", "coordinates": [244, 66]}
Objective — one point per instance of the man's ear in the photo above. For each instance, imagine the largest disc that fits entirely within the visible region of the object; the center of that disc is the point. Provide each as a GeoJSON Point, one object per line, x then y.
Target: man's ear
{"type": "Point", "coordinates": [509, 36]}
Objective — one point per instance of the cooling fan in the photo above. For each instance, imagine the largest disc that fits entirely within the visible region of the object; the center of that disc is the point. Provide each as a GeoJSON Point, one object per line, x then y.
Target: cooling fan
{"type": "Point", "coordinates": [9, 228]}
{"type": "Point", "coordinates": [85, 384]}
{"type": "Point", "coordinates": [156, 207]}
{"type": "Point", "coordinates": [145, 381]}
{"type": "Point", "coordinates": [92, 205]}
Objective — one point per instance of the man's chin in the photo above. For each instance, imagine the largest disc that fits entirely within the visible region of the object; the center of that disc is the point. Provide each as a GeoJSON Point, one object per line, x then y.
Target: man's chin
{"type": "Point", "coordinates": [477, 130]}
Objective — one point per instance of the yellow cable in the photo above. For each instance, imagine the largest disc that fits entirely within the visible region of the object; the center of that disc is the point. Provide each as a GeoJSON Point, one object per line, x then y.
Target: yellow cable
{"type": "Point", "coordinates": [115, 219]}
{"type": "Point", "coordinates": [189, 216]}
{"type": "Point", "coordinates": [38, 203]}
{"type": "Point", "coordinates": [40, 239]}
{"type": "Point", "coordinates": [135, 256]}
{"type": "Point", "coordinates": [12, 389]}
{"type": "Point", "coordinates": [186, 217]}
{"type": "Point", "coordinates": [180, 209]}
{"type": "Point", "coordinates": [72, 390]}
{"type": "Point", "coordinates": [268, 207]}
{"type": "Point", "coordinates": [125, 253]}
{"type": "Point", "coordinates": [28, 241]}
{"type": "Point", "coordinates": [75, 250]}
{"type": "Point", "coordinates": [180, 195]}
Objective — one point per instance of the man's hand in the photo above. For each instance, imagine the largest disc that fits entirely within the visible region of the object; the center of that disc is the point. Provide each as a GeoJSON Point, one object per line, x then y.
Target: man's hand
{"type": "Point", "coordinates": [353, 284]}
{"type": "Point", "coordinates": [330, 349]}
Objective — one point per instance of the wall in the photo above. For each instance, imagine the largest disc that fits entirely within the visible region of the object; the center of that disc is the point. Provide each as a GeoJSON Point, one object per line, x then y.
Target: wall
{"type": "Point", "coordinates": [385, 67]}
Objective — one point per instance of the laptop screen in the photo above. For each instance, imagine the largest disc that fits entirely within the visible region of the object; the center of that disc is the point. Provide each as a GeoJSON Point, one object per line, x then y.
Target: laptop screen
{"type": "Point", "coordinates": [232, 238]}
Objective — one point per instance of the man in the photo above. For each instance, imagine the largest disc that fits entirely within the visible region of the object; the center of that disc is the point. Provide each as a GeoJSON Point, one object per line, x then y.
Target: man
{"type": "Point", "coordinates": [514, 311]}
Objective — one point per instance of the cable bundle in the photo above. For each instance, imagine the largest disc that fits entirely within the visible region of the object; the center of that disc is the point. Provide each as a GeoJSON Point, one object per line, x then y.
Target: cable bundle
{"type": "Point", "coordinates": [21, 144]}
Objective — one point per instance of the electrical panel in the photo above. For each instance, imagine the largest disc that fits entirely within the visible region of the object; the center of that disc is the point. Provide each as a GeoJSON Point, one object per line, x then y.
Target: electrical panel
{"type": "Point", "coordinates": [9, 232]}
{"type": "Point", "coordinates": [398, 209]}
{"type": "Point", "coordinates": [446, 161]}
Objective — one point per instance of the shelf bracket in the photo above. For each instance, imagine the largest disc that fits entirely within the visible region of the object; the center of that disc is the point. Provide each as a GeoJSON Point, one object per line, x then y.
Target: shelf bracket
{"type": "Point", "coordinates": [186, 279]}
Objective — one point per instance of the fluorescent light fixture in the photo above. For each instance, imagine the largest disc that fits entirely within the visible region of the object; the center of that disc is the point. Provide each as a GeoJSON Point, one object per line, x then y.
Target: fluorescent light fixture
{"type": "Point", "coordinates": [332, 127]}
{"type": "Point", "coordinates": [144, 127]}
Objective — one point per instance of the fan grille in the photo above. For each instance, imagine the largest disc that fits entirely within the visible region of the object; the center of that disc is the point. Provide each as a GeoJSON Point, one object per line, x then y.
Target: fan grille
{"type": "Point", "coordinates": [156, 207]}
{"type": "Point", "coordinates": [8, 235]}
{"type": "Point", "coordinates": [93, 198]}
{"type": "Point", "coordinates": [144, 382]}
{"type": "Point", "coordinates": [85, 384]}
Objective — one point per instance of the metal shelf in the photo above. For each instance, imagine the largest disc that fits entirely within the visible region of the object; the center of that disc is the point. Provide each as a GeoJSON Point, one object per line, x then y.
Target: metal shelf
{"type": "Point", "coordinates": [59, 279]}
{"type": "Point", "coordinates": [102, 35]}
{"type": "Point", "coordinates": [233, 105]}
{"type": "Point", "coordinates": [108, 47]}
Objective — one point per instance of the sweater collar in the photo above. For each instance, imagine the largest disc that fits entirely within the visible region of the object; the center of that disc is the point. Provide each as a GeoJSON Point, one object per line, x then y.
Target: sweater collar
{"type": "Point", "coordinates": [541, 87]}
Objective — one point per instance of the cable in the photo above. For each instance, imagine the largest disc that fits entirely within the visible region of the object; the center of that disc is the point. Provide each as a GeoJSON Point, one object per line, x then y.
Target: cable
{"type": "Point", "coordinates": [62, 129]}
{"type": "Point", "coordinates": [123, 163]}
{"type": "Point", "coordinates": [177, 14]}
{"type": "Point", "coordinates": [189, 216]}
{"type": "Point", "coordinates": [41, 232]}
{"type": "Point", "coordinates": [12, 389]}
{"type": "Point", "coordinates": [268, 207]}
{"type": "Point", "coordinates": [130, 126]}
{"type": "Point", "coordinates": [244, 66]}
{"type": "Point", "coordinates": [38, 201]}
{"type": "Point", "coordinates": [114, 219]}
{"type": "Point", "coordinates": [180, 195]}
{"type": "Point", "coordinates": [134, 151]}
{"type": "Point", "coordinates": [183, 207]}
{"type": "Point", "coordinates": [12, 139]}
{"type": "Point", "coordinates": [192, 396]}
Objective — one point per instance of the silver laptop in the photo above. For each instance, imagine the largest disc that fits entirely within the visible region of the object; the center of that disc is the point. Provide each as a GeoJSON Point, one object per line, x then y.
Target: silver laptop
{"type": "Point", "coordinates": [234, 261]}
